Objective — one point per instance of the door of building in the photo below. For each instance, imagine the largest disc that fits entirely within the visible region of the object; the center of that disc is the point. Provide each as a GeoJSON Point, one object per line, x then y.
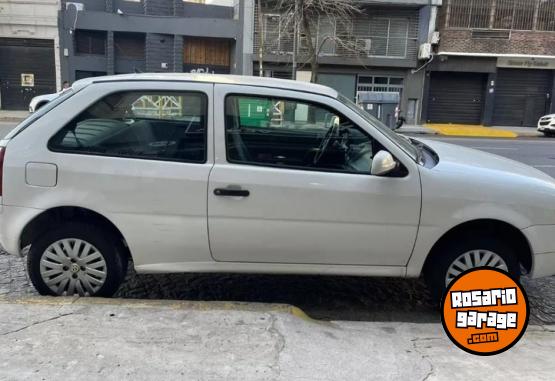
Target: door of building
{"type": "Point", "coordinates": [456, 97]}
{"type": "Point", "coordinates": [27, 69]}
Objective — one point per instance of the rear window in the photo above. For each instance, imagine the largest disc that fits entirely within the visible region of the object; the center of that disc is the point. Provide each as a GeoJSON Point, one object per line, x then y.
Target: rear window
{"type": "Point", "coordinates": [140, 124]}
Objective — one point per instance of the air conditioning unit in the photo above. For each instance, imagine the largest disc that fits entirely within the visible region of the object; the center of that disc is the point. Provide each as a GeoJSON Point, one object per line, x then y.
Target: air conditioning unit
{"type": "Point", "coordinates": [425, 51]}
{"type": "Point", "coordinates": [435, 38]}
{"type": "Point", "coordinates": [80, 7]}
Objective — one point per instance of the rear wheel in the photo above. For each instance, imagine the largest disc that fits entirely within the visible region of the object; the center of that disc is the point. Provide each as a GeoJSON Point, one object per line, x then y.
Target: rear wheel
{"type": "Point", "coordinates": [468, 252]}
{"type": "Point", "coordinates": [76, 258]}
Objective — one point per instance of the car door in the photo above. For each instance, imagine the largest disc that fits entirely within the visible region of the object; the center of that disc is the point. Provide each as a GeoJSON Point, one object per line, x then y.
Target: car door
{"type": "Point", "coordinates": [268, 202]}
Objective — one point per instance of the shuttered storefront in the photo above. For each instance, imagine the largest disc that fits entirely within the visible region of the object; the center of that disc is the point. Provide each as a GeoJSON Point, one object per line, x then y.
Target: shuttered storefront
{"type": "Point", "coordinates": [522, 96]}
{"type": "Point", "coordinates": [456, 97]}
{"type": "Point", "coordinates": [27, 69]}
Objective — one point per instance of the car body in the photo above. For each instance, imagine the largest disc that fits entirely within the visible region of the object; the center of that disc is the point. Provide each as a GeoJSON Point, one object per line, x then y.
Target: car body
{"type": "Point", "coordinates": [546, 124]}
{"type": "Point", "coordinates": [209, 173]}
{"type": "Point", "coordinates": [40, 100]}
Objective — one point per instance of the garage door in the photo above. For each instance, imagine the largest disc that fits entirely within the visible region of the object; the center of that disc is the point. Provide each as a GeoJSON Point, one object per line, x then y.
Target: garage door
{"type": "Point", "coordinates": [521, 96]}
{"type": "Point", "coordinates": [456, 98]}
{"type": "Point", "coordinates": [27, 69]}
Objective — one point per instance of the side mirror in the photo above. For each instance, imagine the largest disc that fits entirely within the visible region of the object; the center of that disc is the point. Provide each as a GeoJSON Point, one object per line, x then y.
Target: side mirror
{"type": "Point", "coordinates": [383, 163]}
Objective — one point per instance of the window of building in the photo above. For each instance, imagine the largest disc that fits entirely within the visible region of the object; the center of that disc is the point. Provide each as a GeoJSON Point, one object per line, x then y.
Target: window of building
{"type": "Point", "coordinates": [380, 84]}
{"type": "Point", "coordinates": [129, 45]}
{"type": "Point", "coordinates": [514, 14]}
{"type": "Point", "coordinates": [90, 42]}
{"type": "Point", "coordinates": [499, 14]}
{"type": "Point", "coordinates": [546, 15]}
{"type": "Point", "coordinates": [145, 125]}
{"type": "Point", "coordinates": [294, 134]}
{"type": "Point", "coordinates": [81, 74]}
{"type": "Point", "coordinates": [388, 37]}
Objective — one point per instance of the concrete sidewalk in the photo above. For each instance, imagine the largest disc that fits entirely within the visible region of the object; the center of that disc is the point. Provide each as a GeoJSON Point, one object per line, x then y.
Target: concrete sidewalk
{"type": "Point", "coordinates": [13, 116]}
{"type": "Point", "coordinates": [51, 339]}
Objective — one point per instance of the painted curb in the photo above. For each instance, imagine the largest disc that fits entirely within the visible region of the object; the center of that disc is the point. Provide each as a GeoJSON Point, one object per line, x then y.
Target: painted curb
{"type": "Point", "coordinates": [173, 304]}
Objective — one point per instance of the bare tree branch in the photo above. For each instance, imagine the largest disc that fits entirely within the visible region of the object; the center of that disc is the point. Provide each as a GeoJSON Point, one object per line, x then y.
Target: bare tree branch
{"type": "Point", "coordinates": [302, 17]}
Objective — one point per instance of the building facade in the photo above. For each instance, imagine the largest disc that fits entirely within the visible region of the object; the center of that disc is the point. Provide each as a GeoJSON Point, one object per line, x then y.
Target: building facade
{"type": "Point", "coordinates": [29, 54]}
{"type": "Point", "coordinates": [381, 71]}
{"type": "Point", "coordinates": [495, 64]}
{"type": "Point", "coordinates": [104, 37]}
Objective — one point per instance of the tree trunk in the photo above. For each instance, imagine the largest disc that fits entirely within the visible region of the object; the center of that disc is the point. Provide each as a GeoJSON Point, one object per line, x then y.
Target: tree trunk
{"type": "Point", "coordinates": [314, 66]}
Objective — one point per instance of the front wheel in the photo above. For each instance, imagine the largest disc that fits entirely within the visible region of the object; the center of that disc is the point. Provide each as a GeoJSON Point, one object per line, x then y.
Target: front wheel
{"type": "Point", "coordinates": [76, 258]}
{"type": "Point", "coordinates": [466, 253]}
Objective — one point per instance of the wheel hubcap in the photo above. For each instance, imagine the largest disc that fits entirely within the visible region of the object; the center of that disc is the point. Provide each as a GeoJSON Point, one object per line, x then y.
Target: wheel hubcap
{"type": "Point", "coordinates": [73, 266]}
{"type": "Point", "coordinates": [472, 260]}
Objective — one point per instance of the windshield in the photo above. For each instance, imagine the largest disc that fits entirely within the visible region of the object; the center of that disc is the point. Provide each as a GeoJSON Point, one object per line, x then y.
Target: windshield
{"type": "Point", "coordinates": [404, 143]}
{"type": "Point", "coordinates": [63, 96]}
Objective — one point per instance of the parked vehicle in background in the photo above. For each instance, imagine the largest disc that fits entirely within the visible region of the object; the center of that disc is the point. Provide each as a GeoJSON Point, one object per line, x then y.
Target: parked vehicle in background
{"type": "Point", "coordinates": [546, 125]}
{"type": "Point", "coordinates": [208, 173]}
{"type": "Point", "coordinates": [41, 100]}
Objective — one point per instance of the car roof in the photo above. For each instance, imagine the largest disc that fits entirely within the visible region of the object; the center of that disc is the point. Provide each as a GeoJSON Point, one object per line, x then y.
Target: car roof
{"type": "Point", "coordinates": [214, 78]}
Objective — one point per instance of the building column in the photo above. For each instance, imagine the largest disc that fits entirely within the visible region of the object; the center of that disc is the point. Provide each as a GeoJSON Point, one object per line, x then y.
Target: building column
{"type": "Point", "coordinates": [178, 54]}
{"type": "Point", "coordinates": [246, 17]}
{"type": "Point", "coordinates": [552, 95]}
{"type": "Point", "coordinates": [423, 117]}
{"type": "Point", "coordinates": [110, 54]}
{"type": "Point", "coordinates": [109, 6]}
{"type": "Point", "coordinates": [489, 104]}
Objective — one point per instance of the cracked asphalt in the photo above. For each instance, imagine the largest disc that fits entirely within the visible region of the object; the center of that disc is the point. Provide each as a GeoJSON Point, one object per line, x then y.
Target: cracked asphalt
{"type": "Point", "coordinates": [321, 297]}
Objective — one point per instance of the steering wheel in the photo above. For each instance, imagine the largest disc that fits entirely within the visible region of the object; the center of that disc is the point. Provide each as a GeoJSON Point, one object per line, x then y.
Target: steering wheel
{"type": "Point", "coordinates": [324, 145]}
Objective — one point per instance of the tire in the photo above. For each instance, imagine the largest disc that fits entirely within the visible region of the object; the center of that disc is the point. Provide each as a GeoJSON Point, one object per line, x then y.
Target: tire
{"type": "Point", "coordinates": [445, 256]}
{"type": "Point", "coordinates": [97, 270]}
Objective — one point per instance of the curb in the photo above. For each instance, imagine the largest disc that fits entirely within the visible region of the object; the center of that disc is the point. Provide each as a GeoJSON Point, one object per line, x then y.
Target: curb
{"type": "Point", "coordinates": [173, 304]}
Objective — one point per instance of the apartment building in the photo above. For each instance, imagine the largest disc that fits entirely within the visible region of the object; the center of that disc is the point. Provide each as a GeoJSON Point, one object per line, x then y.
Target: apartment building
{"type": "Point", "coordinates": [495, 64]}
{"type": "Point", "coordinates": [103, 37]}
{"type": "Point", "coordinates": [383, 72]}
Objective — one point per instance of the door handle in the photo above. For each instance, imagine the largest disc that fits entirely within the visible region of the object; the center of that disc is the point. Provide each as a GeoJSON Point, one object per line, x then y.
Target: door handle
{"type": "Point", "coordinates": [226, 192]}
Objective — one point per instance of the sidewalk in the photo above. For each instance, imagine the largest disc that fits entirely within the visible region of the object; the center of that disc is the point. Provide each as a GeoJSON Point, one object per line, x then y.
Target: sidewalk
{"type": "Point", "coordinates": [470, 131]}
{"type": "Point", "coordinates": [46, 338]}
{"type": "Point", "coordinates": [13, 116]}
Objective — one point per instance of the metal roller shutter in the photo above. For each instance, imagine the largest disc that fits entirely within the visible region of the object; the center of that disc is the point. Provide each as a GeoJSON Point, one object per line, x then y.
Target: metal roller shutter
{"type": "Point", "coordinates": [25, 56]}
{"type": "Point", "coordinates": [456, 98]}
{"type": "Point", "coordinates": [521, 96]}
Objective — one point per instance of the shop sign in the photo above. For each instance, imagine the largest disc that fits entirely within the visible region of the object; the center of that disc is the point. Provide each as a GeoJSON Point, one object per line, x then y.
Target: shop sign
{"type": "Point", "coordinates": [526, 63]}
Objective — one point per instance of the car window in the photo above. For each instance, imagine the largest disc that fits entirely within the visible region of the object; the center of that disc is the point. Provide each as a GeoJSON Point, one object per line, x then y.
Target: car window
{"type": "Point", "coordinates": [401, 141]}
{"type": "Point", "coordinates": [294, 134]}
{"type": "Point", "coordinates": [149, 125]}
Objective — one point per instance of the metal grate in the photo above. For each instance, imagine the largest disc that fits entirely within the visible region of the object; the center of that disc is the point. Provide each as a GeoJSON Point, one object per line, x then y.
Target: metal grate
{"type": "Point", "coordinates": [500, 14]}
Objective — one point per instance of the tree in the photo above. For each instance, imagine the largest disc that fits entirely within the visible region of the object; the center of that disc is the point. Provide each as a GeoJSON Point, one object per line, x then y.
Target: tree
{"type": "Point", "coordinates": [302, 17]}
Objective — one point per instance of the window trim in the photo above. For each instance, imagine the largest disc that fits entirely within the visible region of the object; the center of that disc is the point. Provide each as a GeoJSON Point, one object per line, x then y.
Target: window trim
{"type": "Point", "coordinates": [206, 110]}
{"type": "Point", "coordinates": [405, 171]}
